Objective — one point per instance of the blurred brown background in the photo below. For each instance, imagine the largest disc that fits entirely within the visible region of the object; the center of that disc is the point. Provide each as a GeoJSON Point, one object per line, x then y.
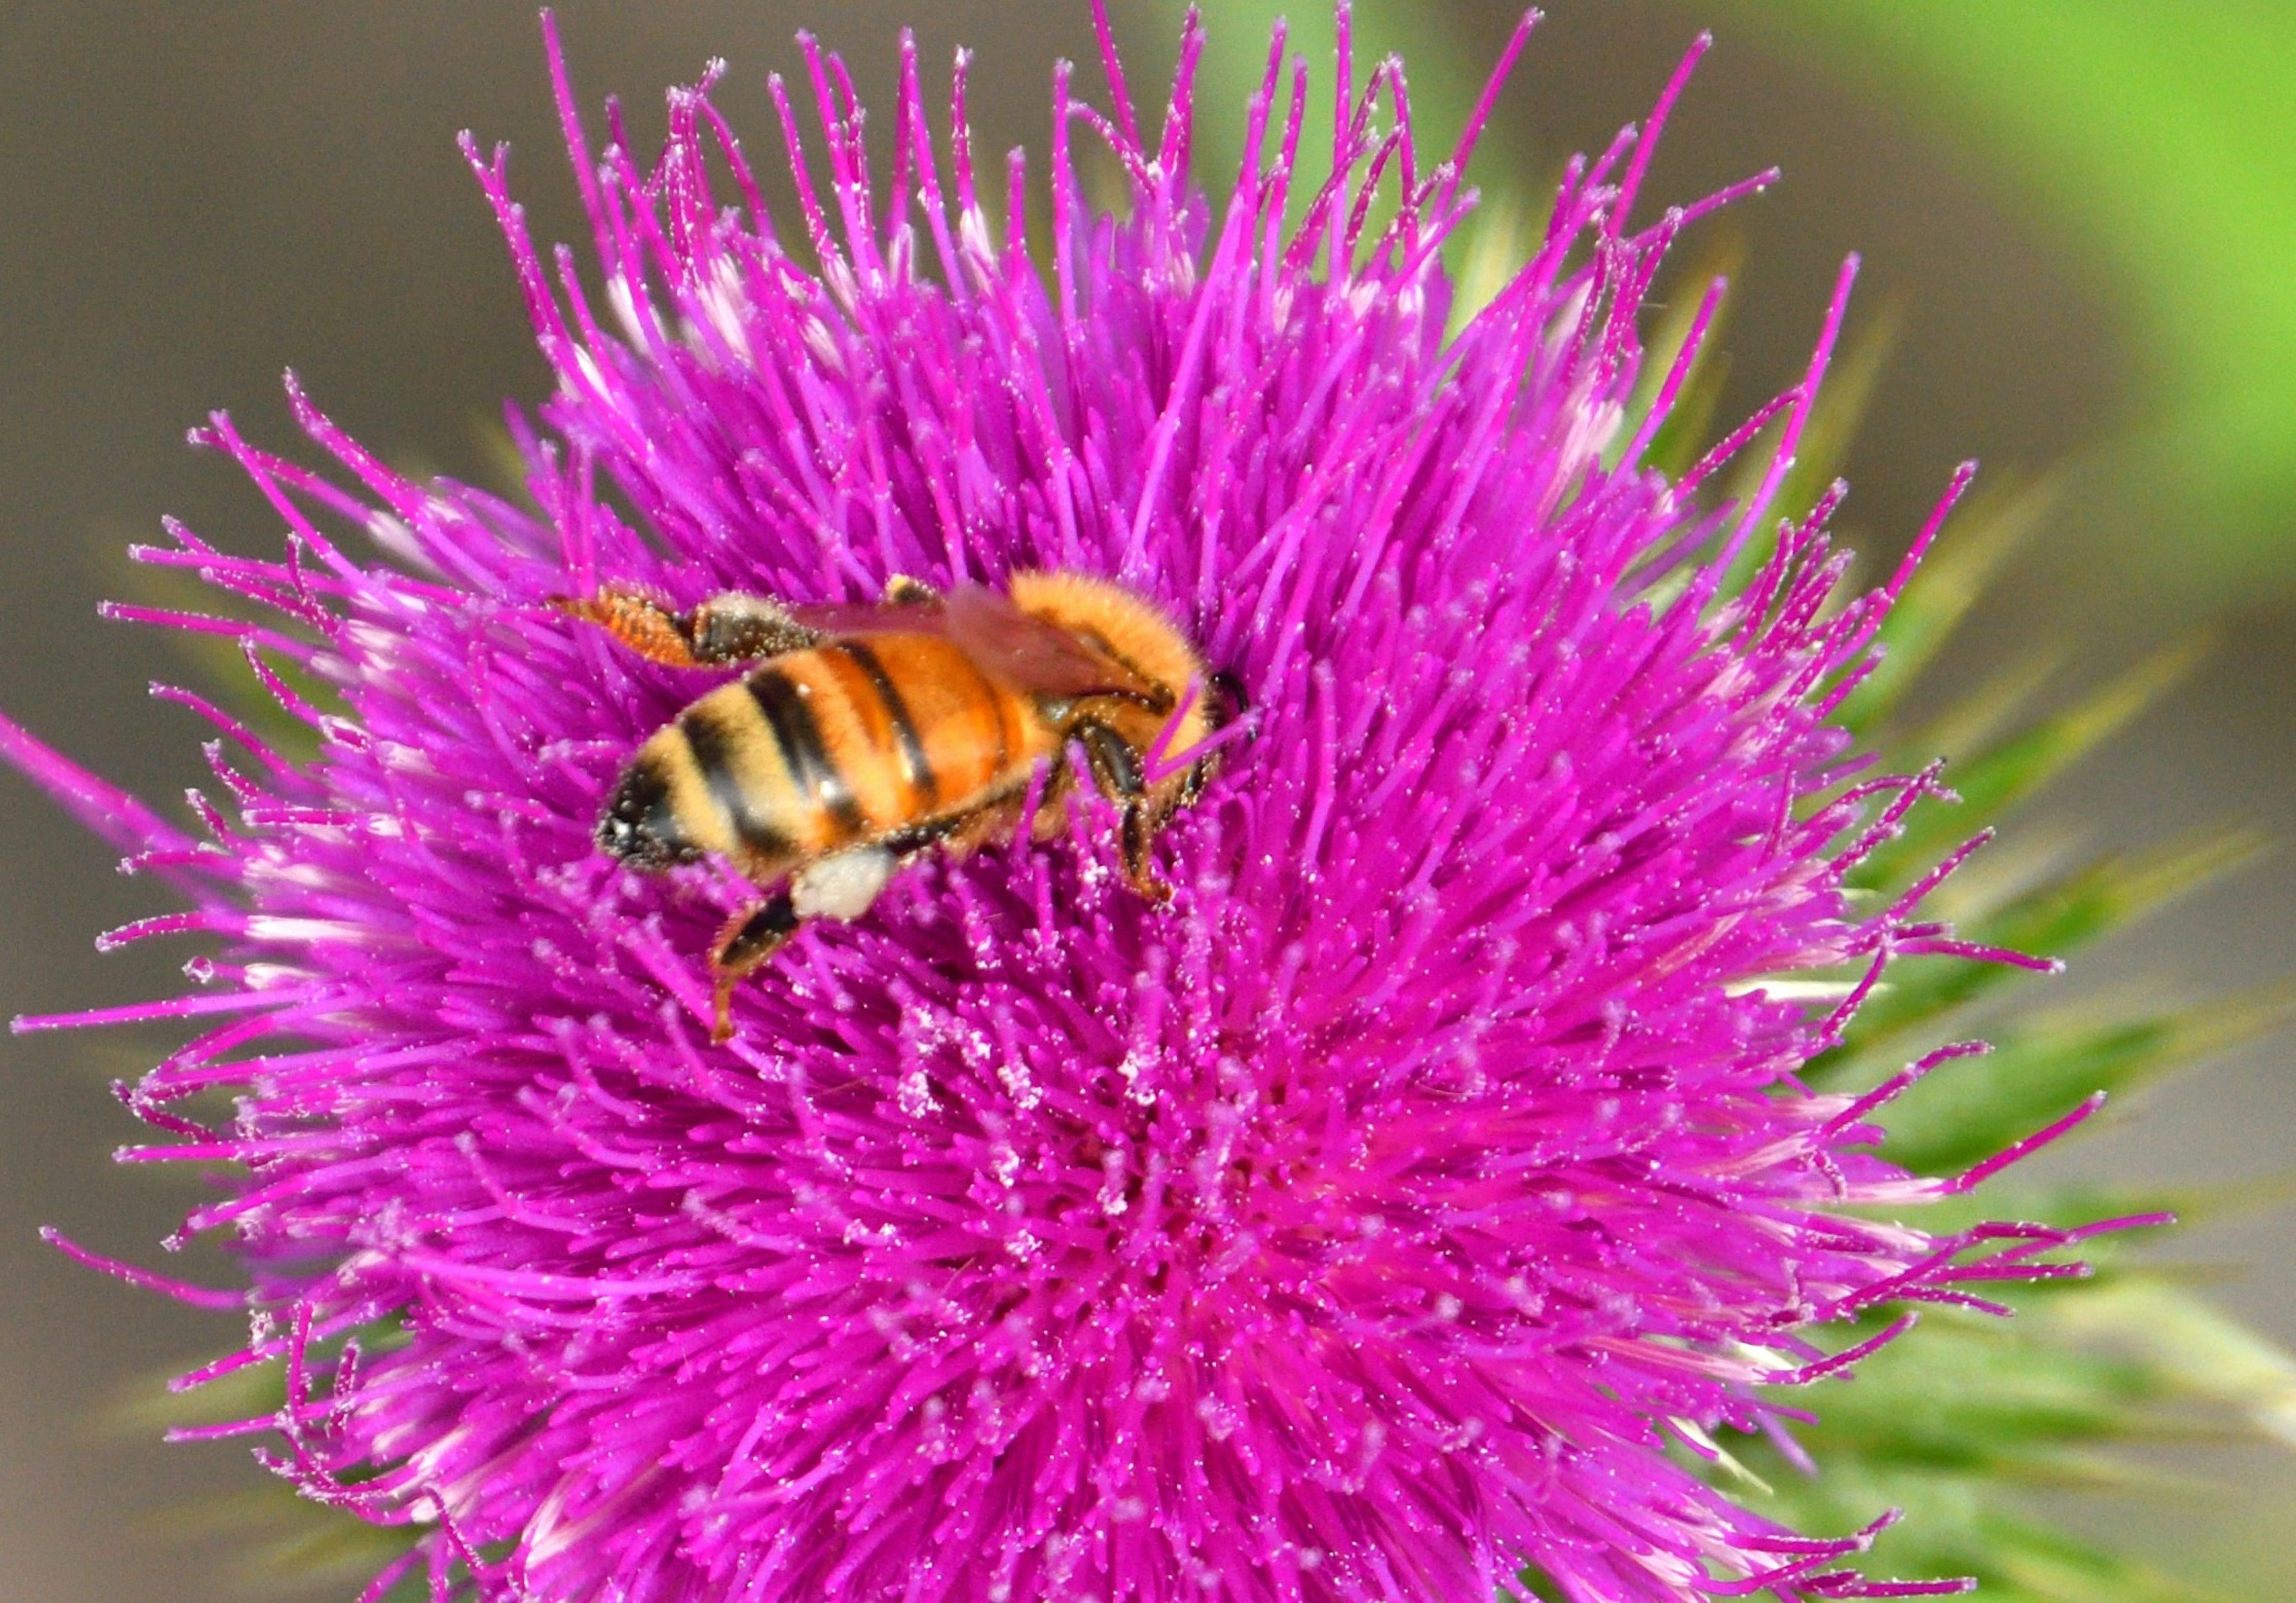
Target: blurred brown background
{"type": "Point", "coordinates": [193, 198]}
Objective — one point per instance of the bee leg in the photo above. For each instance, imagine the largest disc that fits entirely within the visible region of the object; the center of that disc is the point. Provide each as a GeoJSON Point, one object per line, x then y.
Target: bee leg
{"type": "Point", "coordinates": [958, 832]}
{"type": "Point", "coordinates": [747, 942]}
{"type": "Point", "coordinates": [728, 628]}
{"type": "Point", "coordinates": [902, 591]}
{"type": "Point", "coordinates": [1116, 774]}
{"type": "Point", "coordinates": [841, 886]}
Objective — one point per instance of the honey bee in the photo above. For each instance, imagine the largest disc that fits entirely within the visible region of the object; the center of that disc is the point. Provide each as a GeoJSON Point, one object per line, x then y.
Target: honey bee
{"type": "Point", "coordinates": [869, 734]}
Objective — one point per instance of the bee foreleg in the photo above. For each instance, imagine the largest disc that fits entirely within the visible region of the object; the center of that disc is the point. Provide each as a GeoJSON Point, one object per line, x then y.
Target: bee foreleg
{"type": "Point", "coordinates": [902, 591]}
{"type": "Point", "coordinates": [729, 628]}
{"type": "Point", "coordinates": [1116, 774]}
{"type": "Point", "coordinates": [749, 940]}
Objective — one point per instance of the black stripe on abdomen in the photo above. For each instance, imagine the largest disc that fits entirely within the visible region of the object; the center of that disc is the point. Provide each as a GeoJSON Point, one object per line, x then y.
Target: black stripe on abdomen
{"type": "Point", "coordinates": [803, 753]}
{"type": "Point", "coordinates": [915, 767]}
{"type": "Point", "coordinates": [712, 745]}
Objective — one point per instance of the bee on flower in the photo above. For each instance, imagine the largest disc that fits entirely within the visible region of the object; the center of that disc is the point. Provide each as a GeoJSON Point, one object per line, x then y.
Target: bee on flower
{"type": "Point", "coordinates": [1110, 947]}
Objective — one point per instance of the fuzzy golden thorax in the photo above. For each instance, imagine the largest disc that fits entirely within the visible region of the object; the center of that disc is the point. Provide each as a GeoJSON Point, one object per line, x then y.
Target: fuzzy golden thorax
{"type": "Point", "coordinates": [1136, 635]}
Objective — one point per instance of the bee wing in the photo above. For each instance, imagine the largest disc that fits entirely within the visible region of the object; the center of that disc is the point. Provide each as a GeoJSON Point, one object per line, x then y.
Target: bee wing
{"type": "Point", "coordinates": [1022, 650]}
{"type": "Point", "coordinates": [864, 618]}
{"type": "Point", "coordinates": [1029, 653]}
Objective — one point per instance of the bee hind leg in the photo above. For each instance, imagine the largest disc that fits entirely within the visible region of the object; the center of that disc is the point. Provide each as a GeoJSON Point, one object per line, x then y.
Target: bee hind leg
{"type": "Point", "coordinates": [747, 944]}
{"type": "Point", "coordinates": [1116, 774]}
{"type": "Point", "coordinates": [732, 627]}
{"type": "Point", "coordinates": [841, 886]}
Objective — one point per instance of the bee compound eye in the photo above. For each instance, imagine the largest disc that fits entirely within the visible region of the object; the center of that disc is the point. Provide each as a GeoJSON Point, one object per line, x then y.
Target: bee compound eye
{"type": "Point", "coordinates": [1232, 703]}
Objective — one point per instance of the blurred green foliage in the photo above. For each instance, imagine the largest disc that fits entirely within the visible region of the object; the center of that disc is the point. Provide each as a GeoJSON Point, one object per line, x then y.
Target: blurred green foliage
{"type": "Point", "coordinates": [1957, 1426]}
{"type": "Point", "coordinates": [2160, 140]}
{"type": "Point", "coordinates": [2155, 142]}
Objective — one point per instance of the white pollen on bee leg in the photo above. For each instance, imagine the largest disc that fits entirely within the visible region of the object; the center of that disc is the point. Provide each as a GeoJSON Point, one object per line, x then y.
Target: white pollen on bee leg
{"type": "Point", "coordinates": [842, 885]}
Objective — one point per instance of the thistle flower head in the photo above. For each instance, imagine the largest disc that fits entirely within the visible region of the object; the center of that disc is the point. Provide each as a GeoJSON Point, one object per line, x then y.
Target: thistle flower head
{"type": "Point", "coordinates": [1364, 1224]}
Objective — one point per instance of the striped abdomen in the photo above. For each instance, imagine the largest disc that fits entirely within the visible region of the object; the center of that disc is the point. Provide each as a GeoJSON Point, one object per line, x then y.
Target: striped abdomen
{"type": "Point", "coordinates": [820, 749]}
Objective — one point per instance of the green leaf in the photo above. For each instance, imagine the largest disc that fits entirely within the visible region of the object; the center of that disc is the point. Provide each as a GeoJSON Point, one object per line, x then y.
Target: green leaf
{"type": "Point", "coordinates": [1825, 439]}
{"type": "Point", "coordinates": [285, 1539]}
{"type": "Point", "coordinates": [1490, 249]}
{"type": "Point", "coordinates": [1968, 1111]}
{"type": "Point", "coordinates": [2056, 917]}
{"type": "Point", "coordinates": [2160, 142]}
{"type": "Point", "coordinates": [1980, 537]}
{"type": "Point", "coordinates": [2015, 1410]}
{"type": "Point", "coordinates": [1945, 1426]}
{"type": "Point", "coordinates": [2203, 1350]}
{"type": "Point", "coordinates": [1833, 420]}
{"type": "Point", "coordinates": [1999, 778]}
{"type": "Point", "coordinates": [1687, 430]}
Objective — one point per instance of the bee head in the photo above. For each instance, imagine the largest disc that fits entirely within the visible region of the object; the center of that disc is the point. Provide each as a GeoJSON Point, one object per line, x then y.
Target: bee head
{"type": "Point", "coordinates": [640, 826]}
{"type": "Point", "coordinates": [1224, 704]}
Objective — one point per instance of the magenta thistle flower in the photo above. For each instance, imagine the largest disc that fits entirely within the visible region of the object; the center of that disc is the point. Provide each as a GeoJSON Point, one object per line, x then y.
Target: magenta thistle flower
{"type": "Point", "coordinates": [1364, 1224]}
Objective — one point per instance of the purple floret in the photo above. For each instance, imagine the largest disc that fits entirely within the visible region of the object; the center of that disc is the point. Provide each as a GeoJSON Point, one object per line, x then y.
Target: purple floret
{"type": "Point", "coordinates": [1365, 1224]}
